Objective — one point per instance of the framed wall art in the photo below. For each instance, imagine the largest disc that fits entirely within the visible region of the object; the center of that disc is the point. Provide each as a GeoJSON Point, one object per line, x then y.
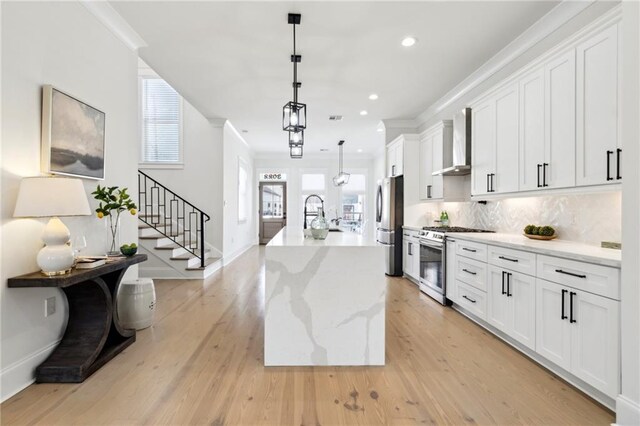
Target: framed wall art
{"type": "Point", "coordinates": [73, 140]}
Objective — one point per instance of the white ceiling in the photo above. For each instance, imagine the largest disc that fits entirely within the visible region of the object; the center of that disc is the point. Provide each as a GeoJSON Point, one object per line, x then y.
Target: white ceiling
{"type": "Point", "coordinates": [231, 59]}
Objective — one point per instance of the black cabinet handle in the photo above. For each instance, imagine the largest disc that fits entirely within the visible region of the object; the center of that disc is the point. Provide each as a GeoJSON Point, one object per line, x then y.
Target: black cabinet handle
{"type": "Point", "coordinates": [544, 174]}
{"type": "Point", "coordinates": [506, 258]}
{"type": "Point", "coordinates": [393, 170]}
{"type": "Point", "coordinates": [571, 294]}
{"type": "Point", "coordinates": [488, 177]}
{"type": "Point", "coordinates": [469, 272]}
{"type": "Point", "coordinates": [562, 315]}
{"type": "Point", "coordinates": [468, 249]}
{"type": "Point", "coordinates": [538, 181]}
{"type": "Point", "coordinates": [560, 271]}
{"type": "Point", "coordinates": [410, 251]}
{"type": "Point", "coordinates": [609, 165]}
{"type": "Point", "coordinates": [469, 299]}
{"type": "Point", "coordinates": [493, 189]}
{"type": "Point", "coordinates": [428, 191]}
{"type": "Point", "coordinates": [503, 274]}
{"type": "Point", "coordinates": [509, 294]}
{"type": "Point", "coordinates": [618, 151]}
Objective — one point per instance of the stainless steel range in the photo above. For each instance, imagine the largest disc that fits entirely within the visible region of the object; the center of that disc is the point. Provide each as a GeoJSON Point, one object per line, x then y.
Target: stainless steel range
{"type": "Point", "coordinates": [433, 260]}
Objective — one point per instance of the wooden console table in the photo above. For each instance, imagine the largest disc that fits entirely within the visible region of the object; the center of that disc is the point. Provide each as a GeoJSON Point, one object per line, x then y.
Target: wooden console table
{"type": "Point", "coordinates": [93, 335]}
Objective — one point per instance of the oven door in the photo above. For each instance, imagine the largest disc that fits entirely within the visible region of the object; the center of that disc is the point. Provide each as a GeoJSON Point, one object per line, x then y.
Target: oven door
{"type": "Point", "coordinates": [431, 267]}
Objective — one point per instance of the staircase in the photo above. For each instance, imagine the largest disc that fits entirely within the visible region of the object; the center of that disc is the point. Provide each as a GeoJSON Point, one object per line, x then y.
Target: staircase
{"type": "Point", "coordinates": [171, 230]}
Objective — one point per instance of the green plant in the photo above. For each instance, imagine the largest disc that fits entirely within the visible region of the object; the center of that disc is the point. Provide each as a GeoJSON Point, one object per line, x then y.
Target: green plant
{"type": "Point", "coordinates": [113, 200]}
{"type": "Point", "coordinates": [547, 231]}
{"type": "Point", "coordinates": [529, 229]}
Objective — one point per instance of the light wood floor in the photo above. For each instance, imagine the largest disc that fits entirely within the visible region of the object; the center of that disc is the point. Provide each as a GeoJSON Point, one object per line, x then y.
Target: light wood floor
{"type": "Point", "coordinates": [201, 363]}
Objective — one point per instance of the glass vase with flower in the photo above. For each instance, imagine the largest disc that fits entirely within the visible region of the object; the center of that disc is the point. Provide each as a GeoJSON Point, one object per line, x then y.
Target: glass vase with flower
{"type": "Point", "coordinates": [113, 202]}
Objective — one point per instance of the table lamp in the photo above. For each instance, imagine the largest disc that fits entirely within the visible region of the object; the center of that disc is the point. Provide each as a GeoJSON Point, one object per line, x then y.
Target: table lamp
{"type": "Point", "coordinates": [53, 197]}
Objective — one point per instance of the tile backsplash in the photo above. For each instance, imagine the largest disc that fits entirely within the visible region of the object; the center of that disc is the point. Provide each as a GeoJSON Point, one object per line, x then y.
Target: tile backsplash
{"type": "Point", "coordinates": [587, 218]}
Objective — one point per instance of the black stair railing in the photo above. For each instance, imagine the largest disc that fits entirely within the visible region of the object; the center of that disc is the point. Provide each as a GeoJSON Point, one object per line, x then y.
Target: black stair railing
{"type": "Point", "coordinates": [172, 216]}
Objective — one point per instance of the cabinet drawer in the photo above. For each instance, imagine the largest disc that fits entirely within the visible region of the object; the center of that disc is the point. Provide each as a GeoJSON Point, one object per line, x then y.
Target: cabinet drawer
{"type": "Point", "coordinates": [597, 279]}
{"type": "Point", "coordinates": [471, 250]}
{"type": "Point", "coordinates": [472, 299]}
{"type": "Point", "coordinates": [515, 260]}
{"type": "Point", "coordinates": [472, 272]}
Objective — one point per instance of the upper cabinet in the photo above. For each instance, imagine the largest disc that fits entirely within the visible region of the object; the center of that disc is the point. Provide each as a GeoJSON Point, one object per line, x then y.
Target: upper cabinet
{"type": "Point", "coordinates": [598, 81]}
{"type": "Point", "coordinates": [395, 158]}
{"type": "Point", "coordinates": [495, 137]}
{"type": "Point", "coordinates": [436, 152]}
{"type": "Point", "coordinates": [555, 123]}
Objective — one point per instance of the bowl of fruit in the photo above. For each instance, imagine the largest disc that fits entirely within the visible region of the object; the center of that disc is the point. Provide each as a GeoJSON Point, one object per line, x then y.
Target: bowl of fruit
{"type": "Point", "coordinates": [129, 249]}
{"type": "Point", "coordinates": [540, 232]}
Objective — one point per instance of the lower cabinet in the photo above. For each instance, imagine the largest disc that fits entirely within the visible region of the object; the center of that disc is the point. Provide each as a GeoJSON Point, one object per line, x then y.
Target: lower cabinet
{"type": "Point", "coordinates": [579, 331]}
{"type": "Point", "coordinates": [411, 258]}
{"type": "Point", "coordinates": [511, 304]}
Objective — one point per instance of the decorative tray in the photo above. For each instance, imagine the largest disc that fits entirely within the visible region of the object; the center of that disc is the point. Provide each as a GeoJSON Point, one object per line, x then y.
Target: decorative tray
{"type": "Point", "coordinates": [541, 237]}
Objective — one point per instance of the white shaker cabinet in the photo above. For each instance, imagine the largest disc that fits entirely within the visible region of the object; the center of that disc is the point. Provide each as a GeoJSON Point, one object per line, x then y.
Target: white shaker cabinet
{"type": "Point", "coordinates": [426, 167]}
{"type": "Point", "coordinates": [395, 158]}
{"type": "Point", "coordinates": [598, 109]}
{"type": "Point", "coordinates": [451, 289]}
{"type": "Point", "coordinates": [483, 146]}
{"type": "Point", "coordinates": [505, 161]}
{"type": "Point", "coordinates": [579, 331]}
{"type": "Point", "coordinates": [511, 304]}
{"type": "Point", "coordinates": [532, 129]}
{"type": "Point", "coordinates": [559, 165]}
{"type": "Point", "coordinates": [495, 145]}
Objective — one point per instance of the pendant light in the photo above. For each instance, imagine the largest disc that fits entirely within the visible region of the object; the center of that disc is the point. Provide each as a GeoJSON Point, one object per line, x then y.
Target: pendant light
{"type": "Point", "coordinates": [341, 178]}
{"type": "Point", "coordinates": [294, 113]}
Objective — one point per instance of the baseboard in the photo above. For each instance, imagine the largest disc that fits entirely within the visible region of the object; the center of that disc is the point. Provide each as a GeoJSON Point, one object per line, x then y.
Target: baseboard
{"type": "Point", "coordinates": [20, 374]}
{"type": "Point", "coordinates": [228, 259]}
{"type": "Point", "coordinates": [627, 411]}
{"type": "Point", "coordinates": [160, 272]}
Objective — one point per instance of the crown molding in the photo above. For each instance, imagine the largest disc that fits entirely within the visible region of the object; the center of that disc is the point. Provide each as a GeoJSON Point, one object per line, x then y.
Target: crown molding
{"type": "Point", "coordinates": [400, 124]}
{"type": "Point", "coordinates": [217, 122]}
{"type": "Point", "coordinates": [552, 21]}
{"type": "Point", "coordinates": [110, 18]}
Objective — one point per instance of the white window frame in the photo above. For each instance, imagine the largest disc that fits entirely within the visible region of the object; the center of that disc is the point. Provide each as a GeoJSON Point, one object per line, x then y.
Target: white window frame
{"type": "Point", "coordinates": [364, 192]}
{"type": "Point", "coordinates": [152, 164]}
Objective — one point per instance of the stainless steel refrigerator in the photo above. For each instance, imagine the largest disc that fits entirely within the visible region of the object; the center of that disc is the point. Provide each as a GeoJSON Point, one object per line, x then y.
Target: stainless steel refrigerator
{"type": "Point", "coordinates": [389, 218]}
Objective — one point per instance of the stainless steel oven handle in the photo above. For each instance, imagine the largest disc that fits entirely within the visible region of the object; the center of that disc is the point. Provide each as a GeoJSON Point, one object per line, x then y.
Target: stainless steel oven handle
{"type": "Point", "coordinates": [435, 246]}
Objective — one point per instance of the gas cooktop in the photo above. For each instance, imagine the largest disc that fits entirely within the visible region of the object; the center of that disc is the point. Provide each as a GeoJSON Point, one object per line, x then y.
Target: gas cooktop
{"type": "Point", "coordinates": [452, 229]}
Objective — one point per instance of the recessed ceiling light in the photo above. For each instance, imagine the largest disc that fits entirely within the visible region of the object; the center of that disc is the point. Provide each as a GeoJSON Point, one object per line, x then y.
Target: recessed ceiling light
{"type": "Point", "coordinates": [363, 112]}
{"type": "Point", "coordinates": [408, 41]}
{"type": "Point", "coordinates": [380, 129]}
{"type": "Point", "coordinates": [373, 96]}
{"type": "Point", "coordinates": [359, 149]}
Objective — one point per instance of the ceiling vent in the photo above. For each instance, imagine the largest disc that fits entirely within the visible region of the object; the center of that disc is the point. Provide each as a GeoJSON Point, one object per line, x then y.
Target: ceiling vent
{"type": "Point", "coordinates": [335, 118]}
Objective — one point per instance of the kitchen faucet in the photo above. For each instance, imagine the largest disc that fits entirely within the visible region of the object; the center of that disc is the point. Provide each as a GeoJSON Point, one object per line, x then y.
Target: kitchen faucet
{"type": "Point", "coordinates": [307, 214]}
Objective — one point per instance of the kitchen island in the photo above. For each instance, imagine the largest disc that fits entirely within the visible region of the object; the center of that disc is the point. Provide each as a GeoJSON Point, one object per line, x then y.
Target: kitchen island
{"type": "Point", "coordinates": [324, 300]}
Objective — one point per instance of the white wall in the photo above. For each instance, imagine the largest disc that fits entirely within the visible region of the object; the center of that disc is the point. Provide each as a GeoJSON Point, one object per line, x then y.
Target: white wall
{"type": "Point", "coordinates": [628, 404]}
{"type": "Point", "coordinates": [62, 44]}
{"type": "Point", "coordinates": [327, 164]}
{"type": "Point", "coordinates": [200, 180]}
{"type": "Point", "coordinates": [237, 236]}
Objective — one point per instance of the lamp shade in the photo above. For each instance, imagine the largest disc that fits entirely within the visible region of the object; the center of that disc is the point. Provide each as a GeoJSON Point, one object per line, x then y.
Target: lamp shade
{"type": "Point", "coordinates": [51, 196]}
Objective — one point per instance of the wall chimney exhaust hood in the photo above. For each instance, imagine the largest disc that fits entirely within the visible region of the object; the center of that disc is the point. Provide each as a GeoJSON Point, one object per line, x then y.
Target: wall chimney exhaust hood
{"type": "Point", "coordinates": [461, 146]}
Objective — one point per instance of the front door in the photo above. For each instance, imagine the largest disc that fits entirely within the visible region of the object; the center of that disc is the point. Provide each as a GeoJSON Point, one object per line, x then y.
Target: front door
{"type": "Point", "coordinates": [273, 209]}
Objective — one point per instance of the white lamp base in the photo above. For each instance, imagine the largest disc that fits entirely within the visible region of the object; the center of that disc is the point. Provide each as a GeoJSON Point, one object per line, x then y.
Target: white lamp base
{"type": "Point", "coordinates": [56, 257]}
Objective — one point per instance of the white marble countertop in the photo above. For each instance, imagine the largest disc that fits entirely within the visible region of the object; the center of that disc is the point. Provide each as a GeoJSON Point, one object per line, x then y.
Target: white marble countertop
{"type": "Point", "coordinates": [412, 228]}
{"type": "Point", "coordinates": [294, 237]}
{"type": "Point", "coordinates": [558, 248]}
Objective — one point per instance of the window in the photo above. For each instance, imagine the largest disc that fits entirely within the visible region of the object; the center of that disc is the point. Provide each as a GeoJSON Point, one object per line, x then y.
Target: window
{"type": "Point", "coordinates": [243, 190]}
{"type": "Point", "coordinates": [312, 183]}
{"type": "Point", "coordinates": [161, 122]}
{"type": "Point", "coordinates": [353, 201]}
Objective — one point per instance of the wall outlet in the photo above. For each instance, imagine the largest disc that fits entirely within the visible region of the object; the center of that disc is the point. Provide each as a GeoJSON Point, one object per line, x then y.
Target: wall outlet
{"type": "Point", "coordinates": [49, 306]}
